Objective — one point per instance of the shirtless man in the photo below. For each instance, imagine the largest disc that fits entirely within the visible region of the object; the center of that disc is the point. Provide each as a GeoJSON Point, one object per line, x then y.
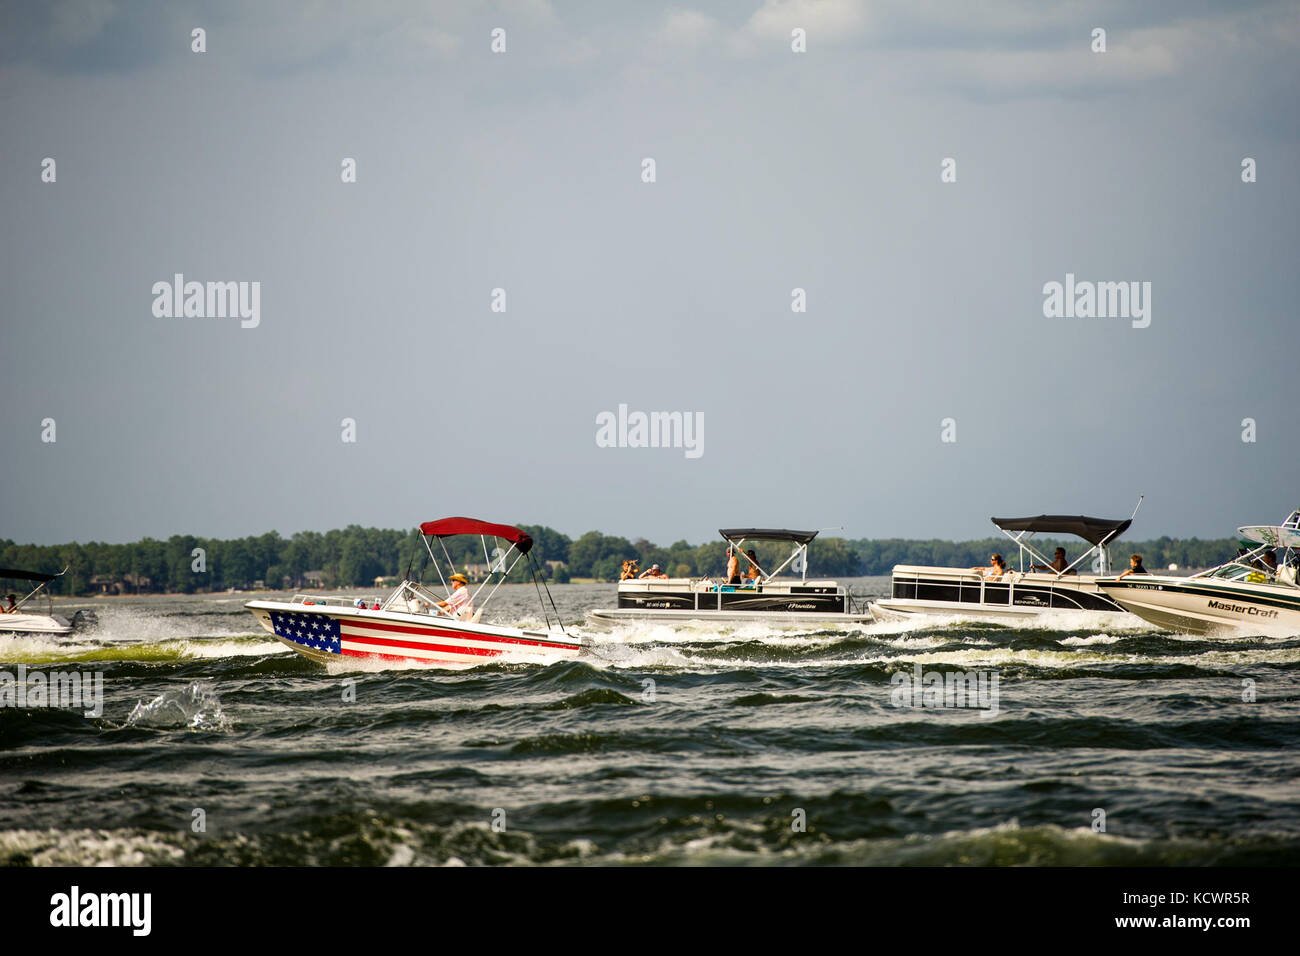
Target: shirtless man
{"type": "Point", "coordinates": [1058, 564]}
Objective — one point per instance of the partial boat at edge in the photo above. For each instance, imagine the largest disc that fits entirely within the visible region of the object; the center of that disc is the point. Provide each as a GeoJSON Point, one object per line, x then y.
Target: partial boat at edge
{"type": "Point", "coordinates": [33, 620]}
{"type": "Point", "coordinates": [1244, 595]}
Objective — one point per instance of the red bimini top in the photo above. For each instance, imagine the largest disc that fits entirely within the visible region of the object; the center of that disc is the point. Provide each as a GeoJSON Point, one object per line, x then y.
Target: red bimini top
{"type": "Point", "coordinates": [448, 527]}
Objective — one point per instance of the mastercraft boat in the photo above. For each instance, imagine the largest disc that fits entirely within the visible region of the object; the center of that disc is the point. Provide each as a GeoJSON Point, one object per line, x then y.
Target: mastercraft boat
{"type": "Point", "coordinates": [1254, 593]}
{"type": "Point", "coordinates": [764, 598]}
{"type": "Point", "coordinates": [34, 614]}
{"type": "Point", "coordinates": [1016, 594]}
{"type": "Point", "coordinates": [415, 623]}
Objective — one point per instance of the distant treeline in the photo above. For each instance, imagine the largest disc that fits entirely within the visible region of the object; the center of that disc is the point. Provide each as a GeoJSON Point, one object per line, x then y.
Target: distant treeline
{"type": "Point", "coordinates": [357, 557]}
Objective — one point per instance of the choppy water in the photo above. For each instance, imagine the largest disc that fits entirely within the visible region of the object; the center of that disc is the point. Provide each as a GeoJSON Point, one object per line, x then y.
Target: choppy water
{"type": "Point", "coordinates": [744, 731]}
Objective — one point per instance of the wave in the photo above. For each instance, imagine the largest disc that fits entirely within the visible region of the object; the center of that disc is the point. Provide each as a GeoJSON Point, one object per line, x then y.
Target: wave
{"type": "Point", "coordinates": [698, 839]}
{"type": "Point", "coordinates": [78, 650]}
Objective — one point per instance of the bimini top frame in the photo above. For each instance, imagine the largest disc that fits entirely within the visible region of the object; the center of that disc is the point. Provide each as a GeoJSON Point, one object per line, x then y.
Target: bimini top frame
{"type": "Point", "coordinates": [499, 563]}
{"type": "Point", "coordinates": [1098, 532]}
{"type": "Point", "coordinates": [736, 537]}
{"type": "Point", "coordinates": [1247, 566]}
{"type": "Point", "coordinates": [13, 574]}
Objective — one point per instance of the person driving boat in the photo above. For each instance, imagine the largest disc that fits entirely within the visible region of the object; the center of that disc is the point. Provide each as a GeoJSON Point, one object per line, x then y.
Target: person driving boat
{"type": "Point", "coordinates": [461, 602]}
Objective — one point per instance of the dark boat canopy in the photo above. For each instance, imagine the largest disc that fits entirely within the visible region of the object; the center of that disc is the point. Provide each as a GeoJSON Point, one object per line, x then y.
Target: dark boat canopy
{"type": "Point", "coordinates": [450, 527]}
{"type": "Point", "coordinates": [26, 575]}
{"type": "Point", "coordinates": [1092, 530]}
{"type": "Point", "coordinates": [767, 534]}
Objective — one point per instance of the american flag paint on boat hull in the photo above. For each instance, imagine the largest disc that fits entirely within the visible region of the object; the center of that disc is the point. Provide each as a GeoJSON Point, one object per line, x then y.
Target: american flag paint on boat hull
{"type": "Point", "coordinates": [326, 633]}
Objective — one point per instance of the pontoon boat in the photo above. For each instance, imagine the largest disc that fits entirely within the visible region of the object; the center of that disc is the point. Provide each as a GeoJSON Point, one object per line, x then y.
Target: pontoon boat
{"type": "Point", "coordinates": [765, 598]}
{"type": "Point", "coordinates": [1018, 594]}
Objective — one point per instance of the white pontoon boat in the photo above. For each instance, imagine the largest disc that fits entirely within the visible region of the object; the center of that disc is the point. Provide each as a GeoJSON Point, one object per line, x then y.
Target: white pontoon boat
{"type": "Point", "coordinates": [765, 598]}
{"type": "Point", "coordinates": [1020, 593]}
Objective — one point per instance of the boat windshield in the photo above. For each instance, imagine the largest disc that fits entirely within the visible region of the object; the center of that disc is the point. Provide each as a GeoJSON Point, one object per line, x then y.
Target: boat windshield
{"type": "Point", "coordinates": [1241, 572]}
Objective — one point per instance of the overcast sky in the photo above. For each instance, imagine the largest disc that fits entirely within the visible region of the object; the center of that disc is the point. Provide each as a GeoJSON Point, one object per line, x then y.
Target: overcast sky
{"type": "Point", "coordinates": [523, 170]}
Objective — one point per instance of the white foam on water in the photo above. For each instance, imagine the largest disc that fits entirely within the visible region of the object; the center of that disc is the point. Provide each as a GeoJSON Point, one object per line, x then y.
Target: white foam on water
{"type": "Point", "coordinates": [247, 647]}
{"type": "Point", "coordinates": [89, 847]}
{"type": "Point", "coordinates": [138, 626]}
{"type": "Point", "coordinates": [1094, 639]}
{"type": "Point", "coordinates": [28, 648]}
{"type": "Point", "coordinates": [195, 706]}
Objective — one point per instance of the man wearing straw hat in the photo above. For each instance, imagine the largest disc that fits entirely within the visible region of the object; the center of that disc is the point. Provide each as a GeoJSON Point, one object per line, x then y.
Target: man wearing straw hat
{"type": "Point", "coordinates": [460, 604]}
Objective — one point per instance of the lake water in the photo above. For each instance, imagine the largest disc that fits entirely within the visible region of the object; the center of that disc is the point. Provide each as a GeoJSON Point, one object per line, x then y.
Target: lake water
{"type": "Point", "coordinates": [701, 744]}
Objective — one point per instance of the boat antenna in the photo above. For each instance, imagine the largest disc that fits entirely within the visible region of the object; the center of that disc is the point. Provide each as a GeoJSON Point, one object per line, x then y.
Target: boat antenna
{"type": "Point", "coordinates": [1135, 509]}
{"type": "Point", "coordinates": [410, 565]}
{"type": "Point", "coordinates": [533, 566]}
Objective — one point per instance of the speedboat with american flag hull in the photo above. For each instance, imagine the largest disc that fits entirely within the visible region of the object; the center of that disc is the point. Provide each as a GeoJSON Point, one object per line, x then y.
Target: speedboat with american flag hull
{"type": "Point", "coordinates": [416, 623]}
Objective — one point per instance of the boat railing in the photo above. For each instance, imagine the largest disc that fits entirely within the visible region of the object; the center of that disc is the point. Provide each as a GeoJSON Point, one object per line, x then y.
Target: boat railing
{"type": "Point", "coordinates": [331, 600]}
{"type": "Point", "coordinates": [711, 585]}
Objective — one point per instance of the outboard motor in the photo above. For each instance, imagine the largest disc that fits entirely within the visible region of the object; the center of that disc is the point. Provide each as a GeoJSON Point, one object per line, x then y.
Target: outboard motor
{"type": "Point", "coordinates": [85, 618]}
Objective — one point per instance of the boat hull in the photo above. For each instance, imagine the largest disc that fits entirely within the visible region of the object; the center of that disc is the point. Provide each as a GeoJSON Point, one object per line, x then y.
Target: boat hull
{"type": "Point", "coordinates": [898, 610]}
{"type": "Point", "coordinates": [328, 634]}
{"type": "Point", "coordinates": [623, 615]}
{"type": "Point", "coordinates": [1201, 606]}
{"type": "Point", "coordinates": [1019, 596]}
{"type": "Point", "coordinates": [24, 624]}
{"type": "Point", "coordinates": [680, 600]}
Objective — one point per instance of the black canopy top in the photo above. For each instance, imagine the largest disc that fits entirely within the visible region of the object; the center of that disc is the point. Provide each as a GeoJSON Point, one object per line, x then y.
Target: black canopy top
{"type": "Point", "coordinates": [767, 534]}
{"type": "Point", "coordinates": [1092, 530]}
{"type": "Point", "coordinates": [25, 575]}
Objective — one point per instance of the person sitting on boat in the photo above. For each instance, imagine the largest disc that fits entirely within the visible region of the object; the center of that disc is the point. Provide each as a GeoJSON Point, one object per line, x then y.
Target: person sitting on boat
{"type": "Point", "coordinates": [653, 572]}
{"type": "Point", "coordinates": [1134, 566]}
{"type": "Point", "coordinates": [994, 571]}
{"type": "Point", "coordinates": [11, 607]}
{"type": "Point", "coordinates": [752, 573]}
{"type": "Point", "coordinates": [461, 602]}
{"type": "Point", "coordinates": [1059, 564]}
{"type": "Point", "coordinates": [733, 567]}
{"type": "Point", "coordinates": [630, 570]}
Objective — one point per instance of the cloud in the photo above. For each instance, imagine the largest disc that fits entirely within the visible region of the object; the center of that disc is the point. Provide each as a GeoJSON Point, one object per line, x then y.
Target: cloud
{"type": "Point", "coordinates": [686, 29]}
{"type": "Point", "coordinates": [826, 22]}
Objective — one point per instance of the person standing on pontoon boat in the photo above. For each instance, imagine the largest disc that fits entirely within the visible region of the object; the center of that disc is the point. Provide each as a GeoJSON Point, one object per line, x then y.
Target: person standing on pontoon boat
{"type": "Point", "coordinates": [461, 603]}
{"type": "Point", "coordinates": [733, 567]}
{"type": "Point", "coordinates": [1059, 564]}
{"type": "Point", "coordinates": [1134, 566]}
{"type": "Point", "coordinates": [995, 569]}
